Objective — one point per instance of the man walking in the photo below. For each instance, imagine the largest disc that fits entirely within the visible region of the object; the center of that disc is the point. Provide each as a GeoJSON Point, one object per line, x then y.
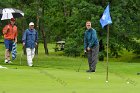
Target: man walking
{"type": "Point", "coordinates": [91, 46]}
{"type": "Point", "coordinates": [30, 39]}
{"type": "Point", "coordinates": [10, 36]}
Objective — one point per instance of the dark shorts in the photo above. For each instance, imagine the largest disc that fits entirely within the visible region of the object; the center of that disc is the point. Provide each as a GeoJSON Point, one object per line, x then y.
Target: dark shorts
{"type": "Point", "coordinates": [8, 44]}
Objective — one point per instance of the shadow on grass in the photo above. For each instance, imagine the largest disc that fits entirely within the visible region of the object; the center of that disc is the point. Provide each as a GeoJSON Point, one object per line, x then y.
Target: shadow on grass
{"type": "Point", "coordinates": [135, 59]}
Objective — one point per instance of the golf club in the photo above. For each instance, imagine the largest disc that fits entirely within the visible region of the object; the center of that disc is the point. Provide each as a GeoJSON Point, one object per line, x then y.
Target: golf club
{"type": "Point", "coordinates": [36, 58]}
{"type": "Point", "coordinates": [21, 55]}
{"type": "Point", "coordinates": [81, 63]}
{"type": "Point", "coordinates": [79, 67]}
{"type": "Point", "coordinates": [36, 53]}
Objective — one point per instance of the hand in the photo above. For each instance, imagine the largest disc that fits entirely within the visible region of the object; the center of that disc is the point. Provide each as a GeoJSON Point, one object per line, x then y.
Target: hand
{"type": "Point", "coordinates": [23, 44]}
{"type": "Point", "coordinates": [88, 49]}
{"type": "Point", "coordinates": [15, 41]}
{"type": "Point", "coordinates": [36, 44]}
{"type": "Point", "coordinates": [85, 51]}
{"type": "Point", "coordinates": [5, 31]}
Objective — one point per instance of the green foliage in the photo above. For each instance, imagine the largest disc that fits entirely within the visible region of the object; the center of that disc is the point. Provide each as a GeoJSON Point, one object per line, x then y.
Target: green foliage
{"type": "Point", "coordinates": [65, 20]}
{"type": "Point", "coordinates": [74, 43]}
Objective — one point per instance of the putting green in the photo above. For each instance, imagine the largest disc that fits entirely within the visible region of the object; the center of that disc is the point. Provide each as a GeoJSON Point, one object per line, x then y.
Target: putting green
{"type": "Point", "coordinates": [23, 79]}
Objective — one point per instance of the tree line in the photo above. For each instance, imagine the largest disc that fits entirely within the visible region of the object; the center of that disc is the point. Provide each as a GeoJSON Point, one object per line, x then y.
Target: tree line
{"type": "Point", "coordinates": [65, 20]}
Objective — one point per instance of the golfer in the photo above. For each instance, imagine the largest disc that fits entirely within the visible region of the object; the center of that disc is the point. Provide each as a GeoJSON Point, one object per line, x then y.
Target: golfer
{"type": "Point", "coordinates": [10, 36]}
{"type": "Point", "coordinates": [30, 39]}
{"type": "Point", "coordinates": [91, 46]}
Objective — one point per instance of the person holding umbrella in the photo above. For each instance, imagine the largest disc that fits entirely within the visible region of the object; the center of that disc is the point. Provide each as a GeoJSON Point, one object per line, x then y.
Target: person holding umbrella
{"type": "Point", "coordinates": [10, 36]}
{"type": "Point", "coordinates": [91, 46]}
{"type": "Point", "coordinates": [30, 39]}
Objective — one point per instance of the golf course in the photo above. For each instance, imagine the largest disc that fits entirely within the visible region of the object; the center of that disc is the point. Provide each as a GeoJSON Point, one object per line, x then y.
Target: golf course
{"type": "Point", "coordinates": [69, 46]}
{"type": "Point", "coordinates": [55, 73]}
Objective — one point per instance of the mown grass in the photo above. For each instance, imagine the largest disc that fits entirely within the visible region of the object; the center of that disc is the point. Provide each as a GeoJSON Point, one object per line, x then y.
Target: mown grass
{"type": "Point", "coordinates": [55, 73]}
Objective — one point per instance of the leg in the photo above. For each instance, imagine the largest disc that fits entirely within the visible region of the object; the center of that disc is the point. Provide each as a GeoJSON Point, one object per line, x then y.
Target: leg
{"type": "Point", "coordinates": [10, 49]}
{"type": "Point", "coordinates": [29, 57]}
{"type": "Point", "coordinates": [95, 51]}
{"type": "Point", "coordinates": [6, 55]}
{"type": "Point", "coordinates": [8, 46]}
{"type": "Point", "coordinates": [33, 53]}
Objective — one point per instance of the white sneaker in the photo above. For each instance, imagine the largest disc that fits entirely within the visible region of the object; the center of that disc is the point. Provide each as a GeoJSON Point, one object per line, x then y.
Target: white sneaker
{"type": "Point", "coordinates": [6, 61]}
{"type": "Point", "coordinates": [9, 61]}
{"type": "Point", "coordinates": [30, 65]}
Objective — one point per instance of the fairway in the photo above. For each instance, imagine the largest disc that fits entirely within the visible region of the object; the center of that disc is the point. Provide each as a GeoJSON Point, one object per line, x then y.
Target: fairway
{"type": "Point", "coordinates": [58, 74]}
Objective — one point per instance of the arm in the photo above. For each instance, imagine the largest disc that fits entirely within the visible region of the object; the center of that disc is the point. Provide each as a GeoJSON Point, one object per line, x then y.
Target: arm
{"type": "Point", "coordinates": [15, 40]}
{"type": "Point", "coordinates": [5, 29]}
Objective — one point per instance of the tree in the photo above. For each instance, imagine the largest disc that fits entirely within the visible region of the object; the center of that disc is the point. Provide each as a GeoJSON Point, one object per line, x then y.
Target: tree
{"type": "Point", "coordinates": [65, 20]}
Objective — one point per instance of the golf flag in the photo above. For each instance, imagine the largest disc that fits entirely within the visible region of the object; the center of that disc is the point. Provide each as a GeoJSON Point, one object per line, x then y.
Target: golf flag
{"type": "Point", "coordinates": [106, 19]}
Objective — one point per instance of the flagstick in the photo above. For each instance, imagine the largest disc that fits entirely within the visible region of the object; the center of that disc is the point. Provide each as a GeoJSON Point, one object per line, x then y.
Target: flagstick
{"type": "Point", "coordinates": [107, 53]}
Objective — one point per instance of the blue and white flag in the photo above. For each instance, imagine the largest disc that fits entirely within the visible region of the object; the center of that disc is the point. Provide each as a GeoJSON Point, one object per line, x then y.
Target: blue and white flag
{"type": "Point", "coordinates": [14, 51]}
{"type": "Point", "coordinates": [106, 19]}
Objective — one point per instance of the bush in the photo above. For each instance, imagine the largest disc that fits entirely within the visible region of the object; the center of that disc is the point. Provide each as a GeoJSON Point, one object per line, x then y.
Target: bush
{"type": "Point", "coordinates": [72, 48]}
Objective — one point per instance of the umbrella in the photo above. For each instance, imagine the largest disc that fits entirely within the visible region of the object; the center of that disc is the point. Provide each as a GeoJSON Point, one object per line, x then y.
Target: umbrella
{"type": "Point", "coordinates": [8, 13]}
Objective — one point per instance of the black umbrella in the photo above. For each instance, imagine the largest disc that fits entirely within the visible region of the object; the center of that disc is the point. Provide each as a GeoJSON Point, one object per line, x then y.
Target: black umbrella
{"type": "Point", "coordinates": [8, 13]}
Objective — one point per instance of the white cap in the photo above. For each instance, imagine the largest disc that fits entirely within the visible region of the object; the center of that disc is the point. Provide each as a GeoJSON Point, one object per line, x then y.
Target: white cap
{"type": "Point", "coordinates": [31, 23]}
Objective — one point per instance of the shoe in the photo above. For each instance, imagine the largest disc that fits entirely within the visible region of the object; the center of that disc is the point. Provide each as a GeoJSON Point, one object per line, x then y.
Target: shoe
{"type": "Point", "coordinates": [30, 65]}
{"type": "Point", "coordinates": [9, 61]}
{"type": "Point", "coordinates": [90, 71]}
{"type": "Point", "coordinates": [6, 61]}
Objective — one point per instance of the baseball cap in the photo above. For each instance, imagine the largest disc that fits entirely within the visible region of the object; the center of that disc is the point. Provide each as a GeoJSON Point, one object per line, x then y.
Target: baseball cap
{"type": "Point", "coordinates": [12, 19]}
{"type": "Point", "coordinates": [31, 23]}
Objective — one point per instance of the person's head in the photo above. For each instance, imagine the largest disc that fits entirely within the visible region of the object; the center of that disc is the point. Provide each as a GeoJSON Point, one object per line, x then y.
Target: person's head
{"type": "Point", "coordinates": [31, 25]}
{"type": "Point", "coordinates": [12, 21]}
{"type": "Point", "coordinates": [88, 24]}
